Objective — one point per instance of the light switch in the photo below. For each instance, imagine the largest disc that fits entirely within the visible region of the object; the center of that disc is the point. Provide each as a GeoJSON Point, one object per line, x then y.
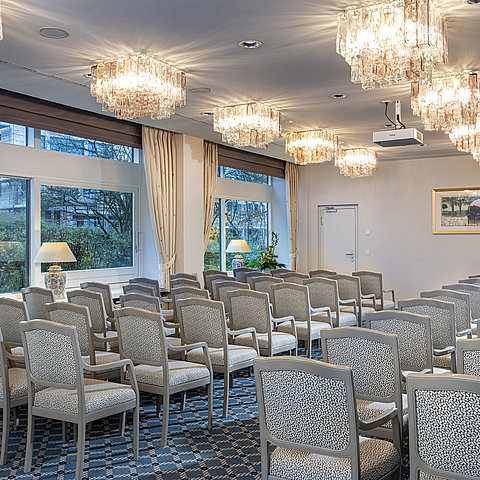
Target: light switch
{"type": "Point", "coordinates": [367, 231]}
{"type": "Point", "coordinates": [368, 252]}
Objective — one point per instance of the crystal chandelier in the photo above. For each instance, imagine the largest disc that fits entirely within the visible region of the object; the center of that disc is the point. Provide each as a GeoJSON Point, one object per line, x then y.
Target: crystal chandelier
{"type": "Point", "coordinates": [247, 125]}
{"type": "Point", "coordinates": [138, 86]}
{"type": "Point", "coordinates": [466, 138]}
{"type": "Point", "coordinates": [450, 102]}
{"type": "Point", "coordinates": [395, 41]}
{"type": "Point", "coordinates": [312, 146]}
{"type": "Point", "coordinates": [357, 162]}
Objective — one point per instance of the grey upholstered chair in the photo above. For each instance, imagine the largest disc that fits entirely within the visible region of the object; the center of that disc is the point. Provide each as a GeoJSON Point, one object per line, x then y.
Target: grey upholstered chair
{"type": "Point", "coordinates": [294, 277]}
{"type": "Point", "coordinates": [12, 312]}
{"type": "Point", "coordinates": [139, 288]}
{"type": "Point", "coordinates": [292, 300]}
{"type": "Point", "coordinates": [186, 292]}
{"type": "Point", "coordinates": [252, 309]}
{"type": "Point", "coordinates": [474, 291]}
{"type": "Point", "coordinates": [78, 316]}
{"type": "Point", "coordinates": [147, 282]}
{"type": "Point", "coordinates": [36, 298]}
{"type": "Point", "coordinates": [473, 280]}
{"type": "Point", "coordinates": [203, 320]}
{"type": "Point", "coordinates": [188, 276]}
{"type": "Point", "coordinates": [221, 290]}
{"type": "Point", "coordinates": [442, 321]}
{"type": "Point", "coordinates": [239, 273]}
{"type": "Point", "coordinates": [463, 315]}
{"type": "Point", "coordinates": [468, 356]}
{"type": "Point", "coordinates": [207, 274]}
{"type": "Point", "coordinates": [58, 390]}
{"type": "Point", "coordinates": [106, 292]}
{"type": "Point", "coordinates": [309, 427]}
{"type": "Point", "coordinates": [371, 283]}
{"type": "Point", "coordinates": [214, 281]}
{"type": "Point", "coordinates": [276, 272]}
{"type": "Point", "coordinates": [215, 276]}
{"type": "Point", "coordinates": [350, 293]}
{"type": "Point", "coordinates": [142, 339]}
{"type": "Point", "coordinates": [444, 426]}
{"type": "Point", "coordinates": [264, 284]}
{"type": "Point", "coordinates": [374, 359]}
{"type": "Point", "coordinates": [252, 277]}
{"type": "Point", "coordinates": [321, 273]}
{"type": "Point", "coordinates": [414, 338]}
{"type": "Point", "coordinates": [13, 391]}
{"type": "Point", "coordinates": [184, 282]}
{"type": "Point", "coordinates": [324, 293]}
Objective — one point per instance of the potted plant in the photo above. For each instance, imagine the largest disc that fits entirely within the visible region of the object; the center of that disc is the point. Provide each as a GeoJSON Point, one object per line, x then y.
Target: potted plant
{"type": "Point", "coordinates": [266, 260]}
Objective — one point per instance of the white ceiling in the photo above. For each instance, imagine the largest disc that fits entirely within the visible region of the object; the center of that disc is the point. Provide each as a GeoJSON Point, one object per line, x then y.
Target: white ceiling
{"type": "Point", "coordinates": [296, 70]}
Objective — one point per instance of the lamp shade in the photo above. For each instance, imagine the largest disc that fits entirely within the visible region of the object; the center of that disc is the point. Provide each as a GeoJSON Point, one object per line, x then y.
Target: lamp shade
{"type": "Point", "coordinates": [52, 252]}
{"type": "Point", "coordinates": [238, 246]}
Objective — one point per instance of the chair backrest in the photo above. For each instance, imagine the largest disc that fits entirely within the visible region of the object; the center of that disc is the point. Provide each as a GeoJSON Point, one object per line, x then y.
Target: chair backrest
{"type": "Point", "coordinates": [250, 279]}
{"type": "Point", "coordinates": [468, 356]}
{"type": "Point", "coordinates": [208, 277]}
{"type": "Point", "coordinates": [141, 336]}
{"type": "Point", "coordinates": [239, 273]}
{"type": "Point", "coordinates": [473, 290]}
{"type": "Point", "coordinates": [264, 284]}
{"type": "Point", "coordinates": [147, 282]}
{"type": "Point", "coordinates": [138, 288]}
{"type": "Point", "coordinates": [324, 293]}
{"type": "Point", "coordinates": [187, 276]}
{"type": "Point", "coordinates": [249, 309]}
{"type": "Point", "coordinates": [414, 336]}
{"type": "Point", "coordinates": [442, 318]}
{"type": "Point", "coordinates": [373, 357]}
{"type": "Point", "coordinates": [221, 290]}
{"type": "Point", "coordinates": [207, 273]}
{"type": "Point", "coordinates": [463, 315]}
{"type": "Point", "coordinates": [202, 320]}
{"type": "Point", "coordinates": [348, 288]}
{"type": "Point", "coordinates": [444, 426]}
{"type": "Point", "coordinates": [294, 277]}
{"type": "Point", "coordinates": [291, 299]}
{"type": "Point", "coordinates": [474, 276]}
{"type": "Point", "coordinates": [370, 283]}
{"type": "Point", "coordinates": [94, 302]}
{"type": "Point", "coordinates": [52, 355]}
{"type": "Point", "coordinates": [309, 406]}
{"type": "Point", "coordinates": [471, 280]}
{"type": "Point", "coordinates": [188, 292]}
{"type": "Point", "coordinates": [278, 271]}
{"type": "Point", "coordinates": [35, 299]}
{"type": "Point", "coordinates": [76, 316]}
{"type": "Point", "coordinates": [184, 282]}
{"type": "Point", "coordinates": [12, 312]}
{"type": "Point", "coordinates": [216, 280]}
{"type": "Point", "coordinates": [321, 273]}
{"type": "Point", "coordinates": [106, 292]}
{"type": "Point", "coordinates": [139, 300]}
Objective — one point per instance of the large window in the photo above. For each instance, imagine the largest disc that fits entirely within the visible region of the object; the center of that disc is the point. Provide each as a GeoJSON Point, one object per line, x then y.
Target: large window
{"type": "Point", "coordinates": [14, 193]}
{"type": "Point", "coordinates": [242, 175]}
{"type": "Point", "coordinates": [236, 219]}
{"type": "Point", "coordinates": [96, 224]}
{"type": "Point", "coordinates": [14, 134]}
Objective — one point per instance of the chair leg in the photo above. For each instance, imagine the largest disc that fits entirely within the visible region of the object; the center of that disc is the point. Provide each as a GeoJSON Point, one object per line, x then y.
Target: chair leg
{"type": "Point", "coordinates": [136, 423]}
{"type": "Point", "coordinates": [210, 403]}
{"type": "Point", "coordinates": [308, 348]}
{"type": "Point", "coordinates": [80, 451]}
{"type": "Point", "coordinates": [166, 407]}
{"type": "Point", "coordinates": [29, 445]}
{"type": "Point", "coordinates": [231, 379]}
{"type": "Point", "coordinates": [15, 418]}
{"type": "Point", "coordinates": [157, 401]}
{"type": "Point", "coordinates": [75, 434]}
{"type": "Point", "coordinates": [121, 424]}
{"type": "Point", "coordinates": [5, 434]}
{"type": "Point", "coordinates": [64, 433]}
{"type": "Point", "coordinates": [183, 399]}
{"type": "Point", "coordinates": [226, 387]}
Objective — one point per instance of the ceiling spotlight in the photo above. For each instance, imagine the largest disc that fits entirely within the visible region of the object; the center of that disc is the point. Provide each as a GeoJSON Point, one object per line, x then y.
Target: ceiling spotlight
{"type": "Point", "coordinates": [250, 44]}
{"type": "Point", "coordinates": [53, 32]}
{"type": "Point", "coordinates": [201, 90]}
{"type": "Point", "coordinates": [207, 114]}
{"type": "Point", "coordinates": [473, 2]}
{"type": "Point", "coordinates": [338, 96]}
{"type": "Point", "coordinates": [87, 75]}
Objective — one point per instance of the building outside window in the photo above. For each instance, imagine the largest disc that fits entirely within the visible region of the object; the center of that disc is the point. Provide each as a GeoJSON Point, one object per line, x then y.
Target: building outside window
{"type": "Point", "coordinates": [13, 134]}
{"type": "Point", "coordinates": [242, 175]}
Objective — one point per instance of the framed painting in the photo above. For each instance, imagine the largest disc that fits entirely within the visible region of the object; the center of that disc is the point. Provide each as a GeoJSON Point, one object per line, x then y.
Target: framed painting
{"type": "Point", "coordinates": [456, 210]}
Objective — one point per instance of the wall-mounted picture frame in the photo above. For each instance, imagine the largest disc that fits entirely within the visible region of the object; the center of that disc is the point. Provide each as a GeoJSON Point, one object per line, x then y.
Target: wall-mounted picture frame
{"type": "Point", "coordinates": [456, 210]}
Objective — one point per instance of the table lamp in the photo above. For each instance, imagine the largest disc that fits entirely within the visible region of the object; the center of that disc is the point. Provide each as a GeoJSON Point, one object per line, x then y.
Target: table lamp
{"type": "Point", "coordinates": [238, 247]}
{"type": "Point", "coordinates": [55, 278]}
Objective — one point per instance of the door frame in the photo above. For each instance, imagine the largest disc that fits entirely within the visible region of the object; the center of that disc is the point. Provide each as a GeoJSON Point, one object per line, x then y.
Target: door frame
{"type": "Point", "coordinates": [320, 231]}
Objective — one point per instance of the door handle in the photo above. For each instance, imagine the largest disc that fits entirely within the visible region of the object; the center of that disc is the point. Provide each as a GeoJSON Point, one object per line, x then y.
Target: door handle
{"type": "Point", "coordinates": [351, 254]}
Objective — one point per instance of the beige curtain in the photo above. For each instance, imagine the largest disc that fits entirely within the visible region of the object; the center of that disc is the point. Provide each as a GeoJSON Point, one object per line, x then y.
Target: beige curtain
{"type": "Point", "coordinates": [210, 167]}
{"type": "Point", "coordinates": [291, 182]}
{"type": "Point", "coordinates": [161, 172]}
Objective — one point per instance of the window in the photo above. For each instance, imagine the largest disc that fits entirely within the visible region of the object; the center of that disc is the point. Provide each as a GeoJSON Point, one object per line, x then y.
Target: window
{"type": "Point", "coordinates": [60, 142]}
{"type": "Point", "coordinates": [243, 175]}
{"type": "Point", "coordinates": [14, 134]}
{"type": "Point", "coordinates": [236, 219]}
{"type": "Point", "coordinates": [96, 224]}
{"type": "Point", "coordinates": [14, 193]}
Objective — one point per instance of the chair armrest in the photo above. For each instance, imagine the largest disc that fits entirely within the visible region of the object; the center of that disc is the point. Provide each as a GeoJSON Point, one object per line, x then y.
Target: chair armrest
{"type": "Point", "coordinates": [282, 319]}
{"type": "Point", "coordinates": [176, 326]}
{"type": "Point", "coordinates": [378, 420]}
{"type": "Point", "coordinates": [463, 333]}
{"type": "Point", "coordinates": [424, 371]}
{"type": "Point", "coordinates": [392, 291]}
{"type": "Point", "coordinates": [350, 301]}
{"type": "Point", "coordinates": [368, 295]}
{"type": "Point", "coordinates": [166, 300]}
{"type": "Point", "coordinates": [126, 362]}
{"type": "Point", "coordinates": [186, 347]}
{"type": "Point", "coordinates": [443, 351]}
{"type": "Point", "coordinates": [327, 310]}
{"type": "Point", "coordinates": [243, 331]}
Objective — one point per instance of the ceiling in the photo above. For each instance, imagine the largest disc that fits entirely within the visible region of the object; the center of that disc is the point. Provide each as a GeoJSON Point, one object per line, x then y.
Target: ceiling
{"type": "Point", "coordinates": [296, 69]}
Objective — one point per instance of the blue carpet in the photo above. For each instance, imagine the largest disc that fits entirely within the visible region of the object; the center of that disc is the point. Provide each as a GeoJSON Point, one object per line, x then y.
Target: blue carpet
{"type": "Point", "coordinates": [229, 450]}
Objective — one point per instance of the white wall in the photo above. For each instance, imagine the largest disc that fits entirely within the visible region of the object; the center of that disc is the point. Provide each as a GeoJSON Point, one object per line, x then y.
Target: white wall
{"type": "Point", "coordinates": [395, 205]}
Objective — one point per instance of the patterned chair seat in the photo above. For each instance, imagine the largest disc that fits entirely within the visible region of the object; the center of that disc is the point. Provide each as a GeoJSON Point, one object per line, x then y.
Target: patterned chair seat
{"type": "Point", "coordinates": [368, 410]}
{"type": "Point", "coordinates": [443, 362]}
{"type": "Point", "coordinates": [102, 358]}
{"type": "Point", "coordinates": [279, 339]}
{"type": "Point", "coordinates": [17, 378]}
{"type": "Point", "coordinates": [98, 395]}
{"type": "Point", "coordinates": [167, 315]}
{"type": "Point", "coordinates": [174, 341]}
{"type": "Point", "coordinates": [426, 476]}
{"type": "Point", "coordinates": [302, 328]}
{"type": "Point", "coordinates": [346, 318]}
{"type": "Point", "coordinates": [237, 354]}
{"type": "Point", "coordinates": [377, 459]}
{"type": "Point", "coordinates": [179, 372]}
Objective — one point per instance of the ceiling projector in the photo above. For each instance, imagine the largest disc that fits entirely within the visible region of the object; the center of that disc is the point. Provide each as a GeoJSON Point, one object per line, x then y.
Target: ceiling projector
{"type": "Point", "coordinates": [399, 136]}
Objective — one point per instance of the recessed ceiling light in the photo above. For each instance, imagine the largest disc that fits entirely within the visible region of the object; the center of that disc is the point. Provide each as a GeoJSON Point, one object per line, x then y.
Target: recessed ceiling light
{"type": "Point", "coordinates": [389, 125]}
{"type": "Point", "coordinates": [201, 90]}
{"type": "Point", "coordinates": [53, 32]}
{"type": "Point", "coordinates": [473, 2]}
{"type": "Point", "coordinates": [207, 114]}
{"type": "Point", "coordinates": [338, 96]}
{"type": "Point", "coordinates": [250, 44]}
{"type": "Point", "coordinates": [87, 75]}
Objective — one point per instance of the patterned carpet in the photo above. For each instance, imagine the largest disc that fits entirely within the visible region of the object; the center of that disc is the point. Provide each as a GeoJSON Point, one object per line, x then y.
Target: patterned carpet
{"type": "Point", "coordinates": [229, 450]}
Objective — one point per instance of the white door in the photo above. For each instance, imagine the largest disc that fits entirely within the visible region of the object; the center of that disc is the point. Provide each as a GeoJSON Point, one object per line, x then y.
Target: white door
{"type": "Point", "coordinates": [338, 238]}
